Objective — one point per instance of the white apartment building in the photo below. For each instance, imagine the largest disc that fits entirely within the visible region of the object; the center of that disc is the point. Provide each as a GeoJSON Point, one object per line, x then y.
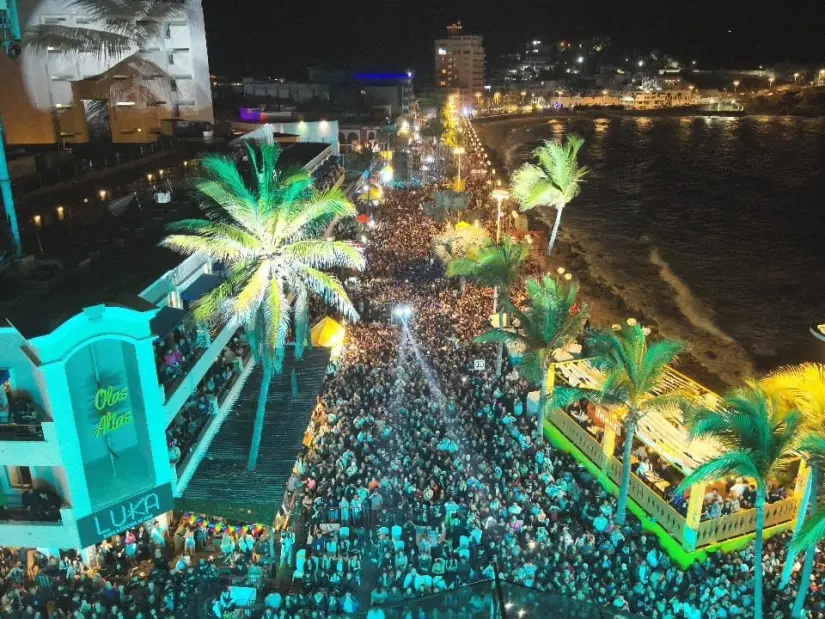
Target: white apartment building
{"type": "Point", "coordinates": [460, 62]}
{"type": "Point", "coordinates": [50, 96]}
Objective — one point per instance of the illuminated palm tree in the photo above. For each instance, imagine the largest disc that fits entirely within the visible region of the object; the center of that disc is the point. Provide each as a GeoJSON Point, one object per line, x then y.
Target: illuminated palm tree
{"type": "Point", "coordinates": [446, 204]}
{"type": "Point", "coordinates": [552, 319]}
{"type": "Point", "coordinates": [550, 183]}
{"type": "Point", "coordinates": [805, 538]}
{"type": "Point", "coordinates": [267, 233]}
{"type": "Point", "coordinates": [119, 28]}
{"type": "Point", "coordinates": [634, 371]}
{"type": "Point", "coordinates": [758, 437]}
{"type": "Point", "coordinates": [801, 387]}
{"type": "Point", "coordinates": [460, 241]}
{"type": "Point", "coordinates": [498, 267]}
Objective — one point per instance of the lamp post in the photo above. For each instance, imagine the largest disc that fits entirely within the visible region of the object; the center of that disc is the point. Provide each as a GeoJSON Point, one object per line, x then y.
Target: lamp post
{"type": "Point", "coordinates": [499, 195]}
{"type": "Point", "coordinates": [458, 150]}
{"type": "Point", "coordinates": [735, 85]}
{"type": "Point", "coordinates": [770, 82]}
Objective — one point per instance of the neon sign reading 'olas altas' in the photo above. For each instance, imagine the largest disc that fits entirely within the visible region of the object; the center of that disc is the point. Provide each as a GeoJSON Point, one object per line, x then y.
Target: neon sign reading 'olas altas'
{"type": "Point", "coordinates": [111, 420]}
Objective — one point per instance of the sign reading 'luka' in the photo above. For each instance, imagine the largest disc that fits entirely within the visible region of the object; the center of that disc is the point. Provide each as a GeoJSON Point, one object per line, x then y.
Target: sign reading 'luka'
{"type": "Point", "coordinates": [107, 401]}
{"type": "Point", "coordinates": [124, 515]}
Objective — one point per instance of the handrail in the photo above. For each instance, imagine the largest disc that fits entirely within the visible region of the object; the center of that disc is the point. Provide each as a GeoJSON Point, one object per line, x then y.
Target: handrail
{"type": "Point", "coordinates": [21, 431]}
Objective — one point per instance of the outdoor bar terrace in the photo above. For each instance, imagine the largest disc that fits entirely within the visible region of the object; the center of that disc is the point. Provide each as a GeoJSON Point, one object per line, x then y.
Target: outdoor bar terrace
{"type": "Point", "coordinates": [663, 455]}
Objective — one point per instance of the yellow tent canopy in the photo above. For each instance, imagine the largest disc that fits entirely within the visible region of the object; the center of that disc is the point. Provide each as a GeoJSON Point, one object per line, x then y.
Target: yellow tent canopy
{"type": "Point", "coordinates": [327, 333]}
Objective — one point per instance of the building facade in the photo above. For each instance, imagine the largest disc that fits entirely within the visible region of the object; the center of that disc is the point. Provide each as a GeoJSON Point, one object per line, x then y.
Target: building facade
{"type": "Point", "coordinates": [53, 97]}
{"type": "Point", "coordinates": [460, 62]}
{"type": "Point", "coordinates": [86, 404]}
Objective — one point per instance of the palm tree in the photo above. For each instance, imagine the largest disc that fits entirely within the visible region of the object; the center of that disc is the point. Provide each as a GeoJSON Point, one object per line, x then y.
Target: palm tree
{"type": "Point", "coordinates": [268, 234]}
{"type": "Point", "coordinates": [552, 182]}
{"type": "Point", "coordinates": [120, 28]}
{"type": "Point", "coordinates": [446, 204]}
{"type": "Point", "coordinates": [633, 385]}
{"type": "Point", "coordinates": [801, 387]}
{"type": "Point", "coordinates": [496, 266]}
{"type": "Point", "coordinates": [812, 445]}
{"type": "Point", "coordinates": [758, 437]}
{"type": "Point", "coordinates": [460, 241]}
{"type": "Point", "coordinates": [552, 319]}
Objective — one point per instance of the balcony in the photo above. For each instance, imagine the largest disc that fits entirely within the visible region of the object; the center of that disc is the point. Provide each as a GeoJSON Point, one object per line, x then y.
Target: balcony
{"type": "Point", "coordinates": [21, 419]}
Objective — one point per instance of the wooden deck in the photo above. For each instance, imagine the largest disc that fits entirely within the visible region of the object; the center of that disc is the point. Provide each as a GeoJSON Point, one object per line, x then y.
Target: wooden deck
{"type": "Point", "coordinates": [222, 487]}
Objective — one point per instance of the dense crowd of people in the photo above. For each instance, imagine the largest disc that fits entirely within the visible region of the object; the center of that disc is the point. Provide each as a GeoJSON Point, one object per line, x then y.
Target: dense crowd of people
{"type": "Point", "coordinates": [149, 572]}
{"type": "Point", "coordinates": [176, 353]}
{"type": "Point", "coordinates": [185, 430]}
{"type": "Point", "coordinates": [424, 473]}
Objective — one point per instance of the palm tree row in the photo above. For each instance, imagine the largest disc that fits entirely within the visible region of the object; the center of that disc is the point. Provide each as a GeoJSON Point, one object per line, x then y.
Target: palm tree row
{"type": "Point", "coordinates": [761, 426]}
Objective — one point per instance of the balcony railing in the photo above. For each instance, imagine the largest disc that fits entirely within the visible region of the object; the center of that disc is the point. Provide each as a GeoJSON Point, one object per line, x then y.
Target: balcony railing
{"type": "Point", "coordinates": [38, 505]}
{"type": "Point", "coordinates": [21, 431]}
{"type": "Point", "coordinates": [708, 532]}
{"type": "Point", "coordinates": [21, 420]}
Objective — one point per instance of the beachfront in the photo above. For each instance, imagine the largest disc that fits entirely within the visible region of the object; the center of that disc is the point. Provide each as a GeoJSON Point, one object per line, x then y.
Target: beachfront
{"type": "Point", "coordinates": [425, 472]}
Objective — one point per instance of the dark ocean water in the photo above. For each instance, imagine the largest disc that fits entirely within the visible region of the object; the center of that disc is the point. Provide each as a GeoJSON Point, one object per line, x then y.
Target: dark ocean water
{"type": "Point", "coordinates": [714, 226]}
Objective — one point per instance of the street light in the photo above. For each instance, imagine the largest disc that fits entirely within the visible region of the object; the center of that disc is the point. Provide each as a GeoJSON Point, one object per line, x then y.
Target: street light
{"type": "Point", "coordinates": [795, 77]}
{"type": "Point", "coordinates": [499, 195]}
{"type": "Point", "coordinates": [735, 85]}
{"type": "Point", "coordinates": [459, 150]}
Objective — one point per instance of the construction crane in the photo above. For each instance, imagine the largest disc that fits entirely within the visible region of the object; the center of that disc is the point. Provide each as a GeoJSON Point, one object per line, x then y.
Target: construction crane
{"type": "Point", "coordinates": [10, 37]}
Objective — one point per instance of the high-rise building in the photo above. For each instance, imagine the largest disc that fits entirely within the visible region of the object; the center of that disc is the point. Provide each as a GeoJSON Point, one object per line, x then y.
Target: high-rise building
{"type": "Point", "coordinates": [459, 62]}
{"type": "Point", "coordinates": [49, 96]}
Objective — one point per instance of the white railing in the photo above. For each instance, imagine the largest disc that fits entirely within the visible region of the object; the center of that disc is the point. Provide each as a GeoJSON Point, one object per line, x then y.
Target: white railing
{"type": "Point", "coordinates": [195, 458]}
{"type": "Point", "coordinates": [190, 382]}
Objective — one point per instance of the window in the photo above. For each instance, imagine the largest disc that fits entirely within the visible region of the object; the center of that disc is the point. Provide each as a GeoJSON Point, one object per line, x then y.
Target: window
{"type": "Point", "coordinates": [173, 85]}
{"type": "Point", "coordinates": [20, 476]}
{"type": "Point", "coordinates": [168, 31]}
{"type": "Point", "coordinates": [53, 20]}
{"type": "Point", "coordinates": [170, 58]}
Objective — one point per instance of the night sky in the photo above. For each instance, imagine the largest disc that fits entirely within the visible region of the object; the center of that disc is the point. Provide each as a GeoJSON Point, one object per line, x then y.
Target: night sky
{"type": "Point", "coordinates": [282, 37]}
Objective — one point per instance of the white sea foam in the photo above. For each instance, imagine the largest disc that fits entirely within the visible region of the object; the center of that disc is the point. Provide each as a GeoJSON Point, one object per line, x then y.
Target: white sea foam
{"type": "Point", "coordinates": [687, 302]}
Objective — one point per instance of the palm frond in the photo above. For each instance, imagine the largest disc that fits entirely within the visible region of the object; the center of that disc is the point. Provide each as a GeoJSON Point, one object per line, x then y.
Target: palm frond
{"type": "Point", "coordinates": [73, 41]}
{"type": "Point", "coordinates": [813, 532]}
{"type": "Point", "coordinates": [738, 463]}
{"type": "Point", "coordinates": [320, 253]}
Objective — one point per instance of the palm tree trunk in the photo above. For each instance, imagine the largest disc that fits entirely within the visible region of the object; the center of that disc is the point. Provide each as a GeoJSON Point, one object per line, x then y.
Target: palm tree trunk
{"type": "Point", "coordinates": [790, 557]}
{"type": "Point", "coordinates": [293, 382]}
{"type": "Point", "coordinates": [257, 432]}
{"type": "Point", "coordinates": [496, 305]}
{"type": "Point", "coordinates": [542, 401]}
{"type": "Point", "coordinates": [757, 552]}
{"type": "Point", "coordinates": [555, 231]}
{"type": "Point", "coordinates": [500, 360]}
{"type": "Point", "coordinates": [810, 555]}
{"type": "Point", "coordinates": [630, 430]}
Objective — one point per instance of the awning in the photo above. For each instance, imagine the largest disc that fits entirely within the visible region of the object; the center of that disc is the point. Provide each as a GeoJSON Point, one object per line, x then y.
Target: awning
{"type": "Point", "coordinates": [166, 320]}
{"type": "Point", "coordinates": [203, 285]}
{"type": "Point", "coordinates": [327, 333]}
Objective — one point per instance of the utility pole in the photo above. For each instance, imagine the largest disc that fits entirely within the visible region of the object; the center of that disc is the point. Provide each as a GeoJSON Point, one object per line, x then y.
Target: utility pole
{"type": "Point", "coordinates": [10, 36]}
